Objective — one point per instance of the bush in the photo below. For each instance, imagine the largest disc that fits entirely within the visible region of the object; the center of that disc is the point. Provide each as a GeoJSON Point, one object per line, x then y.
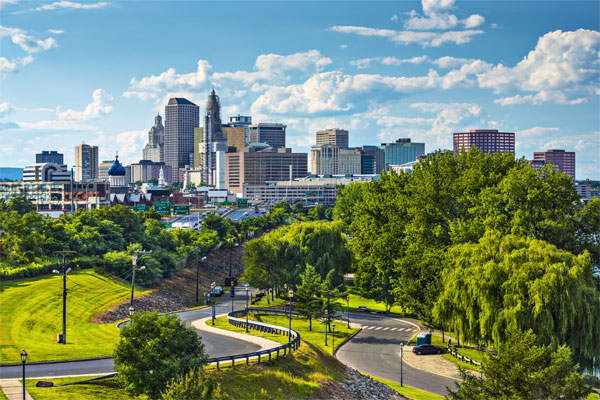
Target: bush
{"type": "Point", "coordinates": [195, 385]}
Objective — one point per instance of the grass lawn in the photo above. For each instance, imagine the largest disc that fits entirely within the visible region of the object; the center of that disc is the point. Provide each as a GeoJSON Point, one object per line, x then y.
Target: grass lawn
{"type": "Point", "coordinates": [357, 300]}
{"type": "Point", "coordinates": [272, 302]}
{"type": "Point", "coordinates": [103, 389]}
{"type": "Point", "coordinates": [411, 393]}
{"type": "Point", "coordinates": [31, 316]}
{"type": "Point", "coordinates": [3, 396]}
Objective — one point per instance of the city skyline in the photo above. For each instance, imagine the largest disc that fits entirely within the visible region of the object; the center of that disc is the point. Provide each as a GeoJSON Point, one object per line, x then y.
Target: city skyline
{"type": "Point", "coordinates": [382, 71]}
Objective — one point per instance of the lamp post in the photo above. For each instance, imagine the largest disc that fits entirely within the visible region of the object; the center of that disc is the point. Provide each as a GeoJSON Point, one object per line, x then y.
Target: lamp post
{"type": "Point", "coordinates": [246, 286]}
{"type": "Point", "coordinates": [291, 294]}
{"type": "Point", "coordinates": [23, 359]}
{"type": "Point", "coordinates": [134, 260]}
{"type": "Point", "coordinates": [326, 320]}
{"type": "Point", "coordinates": [332, 338]}
{"type": "Point", "coordinates": [285, 305]}
{"type": "Point", "coordinates": [198, 273]}
{"type": "Point", "coordinates": [64, 254]}
{"type": "Point", "coordinates": [401, 357]}
{"type": "Point", "coordinates": [131, 312]}
{"type": "Point", "coordinates": [212, 293]}
{"type": "Point", "coordinates": [348, 308]}
{"type": "Point", "coordinates": [231, 245]}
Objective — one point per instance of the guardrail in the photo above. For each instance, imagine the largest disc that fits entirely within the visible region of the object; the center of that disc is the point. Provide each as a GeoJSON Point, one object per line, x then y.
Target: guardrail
{"type": "Point", "coordinates": [455, 354]}
{"type": "Point", "coordinates": [235, 319]}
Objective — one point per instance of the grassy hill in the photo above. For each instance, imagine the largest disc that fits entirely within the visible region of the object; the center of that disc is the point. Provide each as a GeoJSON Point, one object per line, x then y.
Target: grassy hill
{"type": "Point", "coordinates": [31, 316]}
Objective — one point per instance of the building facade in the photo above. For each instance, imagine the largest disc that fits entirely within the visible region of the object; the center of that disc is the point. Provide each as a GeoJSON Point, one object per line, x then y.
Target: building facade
{"type": "Point", "coordinates": [486, 140]}
{"type": "Point", "coordinates": [49, 157]}
{"type": "Point", "coordinates": [561, 160]}
{"type": "Point", "coordinates": [181, 117]}
{"type": "Point", "coordinates": [372, 159]}
{"type": "Point", "coordinates": [336, 137]}
{"type": "Point", "coordinates": [46, 172]}
{"type": "Point", "coordinates": [272, 134]}
{"type": "Point", "coordinates": [57, 195]}
{"type": "Point", "coordinates": [402, 151]}
{"type": "Point", "coordinates": [210, 140]}
{"type": "Point", "coordinates": [235, 136]}
{"type": "Point", "coordinates": [155, 148]}
{"type": "Point", "coordinates": [146, 170]}
{"type": "Point", "coordinates": [259, 164]}
{"type": "Point", "coordinates": [329, 159]}
{"type": "Point", "coordinates": [86, 163]}
{"type": "Point", "coordinates": [241, 121]}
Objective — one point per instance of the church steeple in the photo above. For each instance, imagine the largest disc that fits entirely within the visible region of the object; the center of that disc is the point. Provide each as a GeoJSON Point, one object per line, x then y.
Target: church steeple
{"type": "Point", "coordinates": [213, 114]}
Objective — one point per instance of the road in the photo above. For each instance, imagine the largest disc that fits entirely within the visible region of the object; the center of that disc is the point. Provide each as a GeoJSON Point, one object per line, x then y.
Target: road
{"type": "Point", "coordinates": [376, 351]}
{"type": "Point", "coordinates": [215, 346]}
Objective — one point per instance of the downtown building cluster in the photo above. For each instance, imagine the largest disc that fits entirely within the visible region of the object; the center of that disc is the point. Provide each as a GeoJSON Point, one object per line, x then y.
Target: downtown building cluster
{"type": "Point", "coordinates": [237, 159]}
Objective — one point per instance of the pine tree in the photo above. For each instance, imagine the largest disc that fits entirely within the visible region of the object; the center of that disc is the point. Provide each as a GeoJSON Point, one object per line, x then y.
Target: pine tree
{"type": "Point", "coordinates": [309, 303]}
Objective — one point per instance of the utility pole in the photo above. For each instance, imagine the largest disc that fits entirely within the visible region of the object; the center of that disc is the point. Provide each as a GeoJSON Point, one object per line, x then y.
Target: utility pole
{"type": "Point", "coordinates": [72, 201]}
{"type": "Point", "coordinates": [134, 260]}
{"type": "Point", "coordinates": [65, 271]}
{"type": "Point", "coordinates": [198, 274]}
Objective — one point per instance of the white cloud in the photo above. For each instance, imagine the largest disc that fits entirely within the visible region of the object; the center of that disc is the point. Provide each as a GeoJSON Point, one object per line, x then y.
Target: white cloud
{"type": "Point", "coordinates": [5, 109]}
{"type": "Point", "coordinates": [394, 18]}
{"type": "Point", "coordinates": [97, 108]}
{"type": "Point", "coordinates": [307, 61]}
{"type": "Point", "coordinates": [7, 67]}
{"type": "Point", "coordinates": [563, 68]}
{"type": "Point", "coordinates": [366, 62]}
{"type": "Point", "coordinates": [56, 125]}
{"type": "Point", "coordinates": [70, 4]}
{"type": "Point", "coordinates": [436, 15]}
{"type": "Point", "coordinates": [433, 39]}
{"type": "Point", "coordinates": [25, 41]}
{"type": "Point", "coordinates": [343, 46]}
{"type": "Point", "coordinates": [132, 94]}
{"type": "Point", "coordinates": [171, 80]}
{"type": "Point", "coordinates": [55, 31]}
{"type": "Point", "coordinates": [127, 144]}
{"type": "Point", "coordinates": [473, 21]}
{"type": "Point", "coordinates": [4, 3]}
{"type": "Point", "coordinates": [451, 62]}
{"type": "Point", "coordinates": [535, 131]}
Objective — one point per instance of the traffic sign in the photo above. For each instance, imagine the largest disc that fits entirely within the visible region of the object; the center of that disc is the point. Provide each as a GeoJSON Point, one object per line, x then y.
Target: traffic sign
{"type": "Point", "coordinates": [242, 203]}
{"type": "Point", "coordinates": [141, 208]}
{"type": "Point", "coordinates": [166, 224]}
{"type": "Point", "coordinates": [181, 210]}
{"type": "Point", "coordinates": [162, 207]}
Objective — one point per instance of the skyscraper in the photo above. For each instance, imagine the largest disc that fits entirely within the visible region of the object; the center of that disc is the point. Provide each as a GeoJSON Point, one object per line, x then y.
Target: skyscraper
{"type": "Point", "coordinates": [211, 141]}
{"type": "Point", "coordinates": [271, 134]}
{"type": "Point", "coordinates": [181, 117]}
{"type": "Point", "coordinates": [86, 162]}
{"type": "Point", "coordinates": [486, 140]}
{"type": "Point", "coordinates": [337, 137]}
{"type": "Point", "coordinates": [155, 150]}
{"type": "Point", "coordinates": [561, 160]}
{"type": "Point", "coordinates": [49, 157]}
{"type": "Point", "coordinates": [402, 151]}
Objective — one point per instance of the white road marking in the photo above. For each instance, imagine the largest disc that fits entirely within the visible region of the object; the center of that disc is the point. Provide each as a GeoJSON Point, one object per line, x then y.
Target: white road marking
{"type": "Point", "coordinates": [378, 328]}
{"type": "Point", "coordinates": [401, 329]}
{"type": "Point", "coordinates": [386, 328]}
{"type": "Point", "coordinates": [393, 329]}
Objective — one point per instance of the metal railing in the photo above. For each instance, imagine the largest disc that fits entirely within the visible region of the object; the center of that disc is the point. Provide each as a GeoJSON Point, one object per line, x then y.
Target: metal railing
{"type": "Point", "coordinates": [237, 318]}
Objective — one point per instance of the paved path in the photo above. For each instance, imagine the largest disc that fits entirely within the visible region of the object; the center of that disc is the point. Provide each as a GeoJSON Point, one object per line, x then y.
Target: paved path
{"type": "Point", "coordinates": [263, 343]}
{"type": "Point", "coordinates": [13, 389]}
{"type": "Point", "coordinates": [376, 351]}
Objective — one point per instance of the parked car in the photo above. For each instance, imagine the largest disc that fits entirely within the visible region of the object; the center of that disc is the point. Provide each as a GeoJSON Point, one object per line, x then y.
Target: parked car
{"type": "Point", "coordinates": [427, 349]}
{"type": "Point", "coordinates": [362, 308]}
{"type": "Point", "coordinates": [217, 291]}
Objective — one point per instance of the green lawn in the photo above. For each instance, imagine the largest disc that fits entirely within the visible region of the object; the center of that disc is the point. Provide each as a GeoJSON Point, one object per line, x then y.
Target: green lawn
{"type": "Point", "coordinates": [357, 300]}
{"type": "Point", "coordinates": [103, 389]}
{"type": "Point", "coordinates": [411, 393]}
{"type": "Point", "coordinates": [272, 302]}
{"type": "Point", "coordinates": [31, 316]}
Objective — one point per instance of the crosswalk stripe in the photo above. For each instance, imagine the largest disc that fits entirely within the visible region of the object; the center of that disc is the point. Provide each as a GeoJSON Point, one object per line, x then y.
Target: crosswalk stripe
{"type": "Point", "coordinates": [386, 328]}
{"type": "Point", "coordinates": [393, 329]}
{"type": "Point", "coordinates": [378, 328]}
{"type": "Point", "coordinates": [370, 327]}
{"type": "Point", "coordinates": [401, 329]}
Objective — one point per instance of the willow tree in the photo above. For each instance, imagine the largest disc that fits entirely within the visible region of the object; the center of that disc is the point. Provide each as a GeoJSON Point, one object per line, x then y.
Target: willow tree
{"type": "Point", "coordinates": [521, 283]}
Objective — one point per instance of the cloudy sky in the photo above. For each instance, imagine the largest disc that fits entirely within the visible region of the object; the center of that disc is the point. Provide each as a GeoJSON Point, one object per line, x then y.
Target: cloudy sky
{"type": "Point", "coordinates": [98, 72]}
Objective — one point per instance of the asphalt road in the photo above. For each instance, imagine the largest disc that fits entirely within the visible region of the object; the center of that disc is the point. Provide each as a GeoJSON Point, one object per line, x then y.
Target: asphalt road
{"type": "Point", "coordinates": [376, 351]}
{"type": "Point", "coordinates": [215, 346]}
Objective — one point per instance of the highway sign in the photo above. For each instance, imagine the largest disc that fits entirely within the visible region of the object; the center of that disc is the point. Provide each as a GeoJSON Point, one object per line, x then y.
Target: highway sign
{"type": "Point", "coordinates": [166, 224]}
{"type": "Point", "coordinates": [141, 208]}
{"type": "Point", "coordinates": [181, 210]}
{"type": "Point", "coordinates": [162, 207]}
{"type": "Point", "coordinates": [242, 203]}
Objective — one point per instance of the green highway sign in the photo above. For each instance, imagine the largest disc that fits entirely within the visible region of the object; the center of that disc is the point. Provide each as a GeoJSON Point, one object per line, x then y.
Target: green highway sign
{"type": "Point", "coordinates": [162, 207]}
{"type": "Point", "coordinates": [242, 203]}
{"type": "Point", "coordinates": [226, 204]}
{"type": "Point", "coordinates": [181, 210]}
{"type": "Point", "coordinates": [141, 208]}
{"type": "Point", "coordinates": [166, 224]}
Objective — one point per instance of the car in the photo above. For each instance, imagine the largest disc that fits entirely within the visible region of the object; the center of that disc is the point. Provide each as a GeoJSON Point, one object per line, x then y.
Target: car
{"type": "Point", "coordinates": [362, 308]}
{"type": "Point", "coordinates": [217, 291]}
{"type": "Point", "coordinates": [427, 349]}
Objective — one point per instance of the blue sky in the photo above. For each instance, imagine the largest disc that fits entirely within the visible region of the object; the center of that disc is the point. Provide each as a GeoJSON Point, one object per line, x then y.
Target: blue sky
{"type": "Point", "coordinates": [97, 72]}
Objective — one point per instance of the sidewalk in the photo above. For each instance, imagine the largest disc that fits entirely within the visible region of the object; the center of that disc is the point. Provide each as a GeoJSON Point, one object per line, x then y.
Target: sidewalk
{"type": "Point", "coordinates": [13, 389]}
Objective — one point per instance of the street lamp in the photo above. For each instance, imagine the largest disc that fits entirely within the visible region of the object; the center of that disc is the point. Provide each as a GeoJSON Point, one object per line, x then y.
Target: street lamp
{"type": "Point", "coordinates": [246, 286]}
{"type": "Point", "coordinates": [348, 308]}
{"type": "Point", "coordinates": [326, 320]}
{"type": "Point", "coordinates": [64, 253]}
{"type": "Point", "coordinates": [212, 293]}
{"type": "Point", "coordinates": [291, 294]}
{"type": "Point", "coordinates": [131, 311]}
{"type": "Point", "coordinates": [285, 305]}
{"type": "Point", "coordinates": [332, 338]}
{"type": "Point", "coordinates": [23, 359]}
{"type": "Point", "coordinates": [231, 245]}
{"type": "Point", "coordinates": [134, 260]}
{"type": "Point", "coordinates": [198, 273]}
{"type": "Point", "coordinates": [401, 356]}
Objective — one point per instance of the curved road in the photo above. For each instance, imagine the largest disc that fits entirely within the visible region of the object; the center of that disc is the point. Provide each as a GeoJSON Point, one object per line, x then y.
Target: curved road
{"type": "Point", "coordinates": [376, 351]}
{"type": "Point", "coordinates": [215, 346]}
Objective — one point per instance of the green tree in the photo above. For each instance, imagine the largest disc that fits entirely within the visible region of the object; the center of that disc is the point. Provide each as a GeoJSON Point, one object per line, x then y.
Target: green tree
{"type": "Point", "coordinates": [307, 294]}
{"type": "Point", "coordinates": [521, 283]}
{"type": "Point", "coordinates": [20, 204]}
{"type": "Point", "coordinates": [347, 199]}
{"type": "Point", "coordinates": [153, 351]}
{"type": "Point", "coordinates": [523, 370]}
{"type": "Point", "coordinates": [331, 293]}
{"type": "Point", "coordinates": [194, 385]}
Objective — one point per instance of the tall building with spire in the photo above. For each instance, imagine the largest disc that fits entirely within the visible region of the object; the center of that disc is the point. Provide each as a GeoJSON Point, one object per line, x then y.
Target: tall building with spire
{"type": "Point", "coordinates": [181, 117]}
{"type": "Point", "coordinates": [212, 144]}
{"type": "Point", "coordinates": [155, 150]}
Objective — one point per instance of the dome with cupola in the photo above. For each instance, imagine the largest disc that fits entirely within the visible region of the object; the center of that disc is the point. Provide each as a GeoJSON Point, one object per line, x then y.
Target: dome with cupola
{"type": "Point", "coordinates": [116, 169]}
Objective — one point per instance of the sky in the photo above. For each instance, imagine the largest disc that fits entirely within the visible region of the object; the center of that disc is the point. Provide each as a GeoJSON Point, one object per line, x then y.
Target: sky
{"type": "Point", "coordinates": [97, 72]}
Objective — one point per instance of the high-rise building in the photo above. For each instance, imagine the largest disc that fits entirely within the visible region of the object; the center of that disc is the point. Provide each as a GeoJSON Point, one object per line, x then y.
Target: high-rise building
{"type": "Point", "coordinates": [146, 170]}
{"type": "Point", "coordinates": [211, 141]}
{"type": "Point", "coordinates": [155, 150]}
{"type": "Point", "coordinates": [486, 140]}
{"type": "Point", "coordinates": [181, 117]}
{"type": "Point", "coordinates": [372, 160]}
{"type": "Point", "coordinates": [259, 163]}
{"type": "Point", "coordinates": [86, 163]}
{"type": "Point", "coordinates": [402, 151]}
{"type": "Point", "coordinates": [49, 157]}
{"type": "Point", "coordinates": [271, 134]}
{"type": "Point", "coordinates": [561, 160]}
{"type": "Point", "coordinates": [328, 159]}
{"type": "Point", "coordinates": [337, 137]}
{"type": "Point", "coordinates": [236, 136]}
{"type": "Point", "coordinates": [103, 169]}
{"type": "Point", "coordinates": [46, 172]}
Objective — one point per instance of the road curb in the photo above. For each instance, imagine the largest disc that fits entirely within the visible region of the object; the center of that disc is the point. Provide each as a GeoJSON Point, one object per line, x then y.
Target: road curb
{"type": "Point", "coordinates": [346, 341]}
